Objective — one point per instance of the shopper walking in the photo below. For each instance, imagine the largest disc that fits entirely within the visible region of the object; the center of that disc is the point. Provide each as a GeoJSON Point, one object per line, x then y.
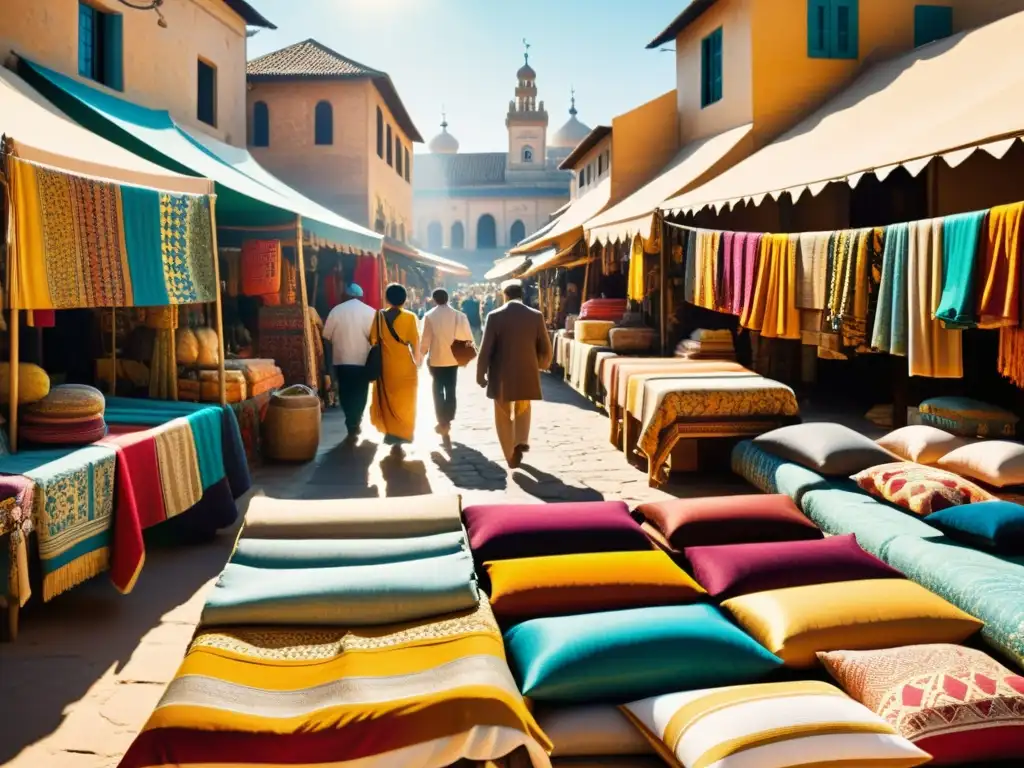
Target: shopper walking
{"type": "Point", "coordinates": [443, 326]}
{"type": "Point", "coordinates": [515, 349]}
{"type": "Point", "coordinates": [393, 408]}
{"type": "Point", "coordinates": [348, 331]}
{"type": "Point", "coordinates": [471, 308]}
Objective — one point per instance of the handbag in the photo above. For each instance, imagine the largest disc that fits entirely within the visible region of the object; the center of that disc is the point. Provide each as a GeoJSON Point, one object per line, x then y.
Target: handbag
{"type": "Point", "coordinates": [464, 352]}
{"type": "Point", "coordinates": [375, 360]}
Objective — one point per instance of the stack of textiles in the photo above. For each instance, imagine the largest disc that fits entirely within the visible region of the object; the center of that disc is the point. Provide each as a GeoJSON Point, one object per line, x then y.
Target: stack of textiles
{"type": "Point", "coordinates": [344, 633]}
{"type": "Point", "coordinates": [603, 309]}
{"type": "Point", "coordinates": [911, 694]}
{"type": "Point", "coordinates": [207, 387]}
{"type": "Point", "coordinates": [635, 339]}
{"type": "Point", "coordinates": [594, 614]}
{"type": "Point", "coordinates": [707, 345]}
{"type": "Point", "coordinates": [71, 414]}
{"type": "Point", "coordinates": [261, 374]}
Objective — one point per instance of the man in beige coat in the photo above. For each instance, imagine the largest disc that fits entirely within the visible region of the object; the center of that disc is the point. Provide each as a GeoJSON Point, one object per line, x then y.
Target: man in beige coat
{"type": "Point", "coordinates": [515, 349]}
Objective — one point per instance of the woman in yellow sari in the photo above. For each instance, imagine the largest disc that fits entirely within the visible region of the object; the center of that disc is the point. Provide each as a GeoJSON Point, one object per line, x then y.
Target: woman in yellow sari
{"type": "Point", "coordinates": [393, 408]}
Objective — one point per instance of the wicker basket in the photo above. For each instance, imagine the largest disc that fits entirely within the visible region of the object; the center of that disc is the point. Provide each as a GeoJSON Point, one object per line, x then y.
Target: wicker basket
{"type": "Point", "coordinates": [291, 430]}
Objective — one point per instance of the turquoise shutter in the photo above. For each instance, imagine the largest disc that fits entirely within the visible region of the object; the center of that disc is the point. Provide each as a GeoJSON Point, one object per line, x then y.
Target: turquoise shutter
{"type": "Point", "coordinates": [931, 23]}
{"type": "Point", "coordinates": [113, 51]}
{"type": "Point", "coordinates": [705, 69]}
{"type": "Point", "coordinates": [845, 43]}
{"type": "Point", "coordinates": [86, 40]}
{"type": "Point", "coordinates": [819, 13]}
{"type": "Point", "coordinates": [717, 65]}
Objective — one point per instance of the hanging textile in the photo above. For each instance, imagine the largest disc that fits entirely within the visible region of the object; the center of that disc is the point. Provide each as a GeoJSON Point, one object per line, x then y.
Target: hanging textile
{"type": "Point", "coordinates": [233, 280]}
{"type": "Point", "coordinates": [1011, 354]}
{"type": "Point", "coordinates": [751, 264]}
{"type": "Point", "coordinates": [706, 269]}
{"type": "Point", "coordinates": [867, 274]}
{"type": "Point", "coordinates": [1000, 274]}
{"type": "Point", "coordinates": [812, 266]}
{"type": "Point", "coordinates": [690, 276]}
{"type": "Point", "coordinates": [367, 277]}
{"type": "Point", "coordinates": [932, 350]}
{"type": "Point", "coordinates": [724, 282]}
{"type": "Point", "coordinates": [261, 267]}
{"type": "Point", "coordinates": [890, 324]}
{"type": "Point", "coordinates": [635, 288]}
{"type": "Point", "coordinates": [780, 319]}
{"type": "Point", "coordinates": [961, 238]}
{"type": "Point", "coordinates": [41, 318]}
{"type": "Point", "coordinates": [289, 282]}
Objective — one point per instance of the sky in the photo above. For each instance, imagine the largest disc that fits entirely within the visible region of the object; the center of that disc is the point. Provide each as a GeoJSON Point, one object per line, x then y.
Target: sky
{"type": "Point", "coordinates": [463, 55]}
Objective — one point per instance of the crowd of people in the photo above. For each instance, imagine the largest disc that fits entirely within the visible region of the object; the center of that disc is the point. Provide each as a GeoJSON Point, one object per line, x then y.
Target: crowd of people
{"type": "Point", "coordinates": [385, 351]}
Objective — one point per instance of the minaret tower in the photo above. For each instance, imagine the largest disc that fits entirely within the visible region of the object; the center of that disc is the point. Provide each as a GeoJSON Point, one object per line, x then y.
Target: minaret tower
{"type": "Point", "coordinates": [527, 121]}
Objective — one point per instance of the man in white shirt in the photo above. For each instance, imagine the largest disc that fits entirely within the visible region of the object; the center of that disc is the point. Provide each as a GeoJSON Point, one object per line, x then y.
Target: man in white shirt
{"type": "Point", "coordinates": [348, 331]}
{"type": "Point", "coordinates": [441, 326]}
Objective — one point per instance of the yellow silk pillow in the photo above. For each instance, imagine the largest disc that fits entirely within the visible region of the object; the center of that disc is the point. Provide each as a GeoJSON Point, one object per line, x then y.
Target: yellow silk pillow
{"type": "Point", "coordinates": [559, 585]}
{"type": "Point", "coordinates": [867, 615]}
{"type": "Point", "coordinates": [593, 331]}
{"type": "Point", "coordinates": [33, 383]}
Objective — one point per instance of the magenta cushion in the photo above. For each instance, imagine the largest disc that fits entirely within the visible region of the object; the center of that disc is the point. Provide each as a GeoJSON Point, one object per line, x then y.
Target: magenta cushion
{"type": "Point", "coordinates": [76, 433]}
{"type": "Point", "coordinates": [740, 569]}
{"type": "Point", "coordinates": [511, 531]}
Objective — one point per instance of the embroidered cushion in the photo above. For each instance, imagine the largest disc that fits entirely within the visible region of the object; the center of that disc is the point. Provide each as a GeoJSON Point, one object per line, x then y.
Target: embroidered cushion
{"type": "Point", "coordinates": [999, 463]}
{"type": "Point", "coordinates": [33, 383]}
{"type": "Point", "coordinates": [69, 401]}
{"type": "Point", "coordinates": [782, 725]}
{"type": "Point", "coordinates": [728, 520]}
{"type": "Point", "coordinates": [967, 417]}
{"type": "Point", "coordinates": [919, 489]}
{"type": "Point", "coordinates": [618, 656]}
{"type": "Point", "coordinates": [995, 525]}
{"type": "Point", "coordinates": [591, 730]}
{"type": "Point", "coordinates": [956, 703]}
{"type": "Point", "coordinates": [740, 569]}
{"type": "Point", "coordinates": [531, 587]}
{"type": "Point", "coordinates": [920, 443]}
{"type": "Point", "coordinates": [798, 622]}
{"type": "Point", "coordinates": [828, 449]}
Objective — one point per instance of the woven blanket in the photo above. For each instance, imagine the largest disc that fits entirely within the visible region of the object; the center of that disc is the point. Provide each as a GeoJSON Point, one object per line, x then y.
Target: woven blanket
{"type": "Point", "coordinates": [137, 461]}
{"type": "Point", "coordinates": [428, 695]}
{"type": "Point", "coordinates": [332, 553]}
{"type": "Point", "coordinates": [282, 337]}
{"type": "Point", "coordinates": [395, 518]}
{"type": "Point", "coordinates": [350, 596]}
{"type": "Point", "coordinates": [73, 507]}
{"type": "Point", "coordinates": [250, 414]}
{"type": "Point", "coordinates": [82, 242]}
{"type": "Point", "coordinates": [178, 460]}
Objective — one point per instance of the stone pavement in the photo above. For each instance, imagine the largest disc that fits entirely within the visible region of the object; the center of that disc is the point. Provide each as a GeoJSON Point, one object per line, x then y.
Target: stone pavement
{"type": "Point", "coordinates": [88, 667]}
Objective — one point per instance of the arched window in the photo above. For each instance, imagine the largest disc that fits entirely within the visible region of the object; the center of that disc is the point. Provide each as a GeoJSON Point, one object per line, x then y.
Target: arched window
{"type": "Point", "coordinates": [260, 124]}
{"type": "Point", "coordinates": [391, 158]}
{"type": "Point", "coordinates": [380, 134]}
{"type": "Point", "coordinates": [527, 154]}
{"type": "Point", "coordinates": [435, 236]}
{"type": "Point", "coordinates": [458, 235]}
{"type": "Point", "coordinates": [323, 117]}
{"type": "Point", "coordinates": [398, 155]}
{"type": "Point", "coordinates": [518, 233]}
{"type": "Point", "coordinates": [486, 232]}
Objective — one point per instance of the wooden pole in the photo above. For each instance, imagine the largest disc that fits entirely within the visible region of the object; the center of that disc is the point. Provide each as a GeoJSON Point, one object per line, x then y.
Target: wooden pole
{"type": "Point", "coordinates": [113, 351]}
{"type": "Point", "coordinates": [300, 264]}
{"type": "Point", "coordinates": [218, 311]}
{"type": "Point", "coordinates": [663, 286]}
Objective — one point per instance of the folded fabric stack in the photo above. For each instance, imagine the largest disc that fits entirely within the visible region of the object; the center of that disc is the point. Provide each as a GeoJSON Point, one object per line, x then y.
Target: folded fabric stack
{"type": "Point", "coordinates": [911, 693]}
{"type": "Point", "coordinates": [257, 372]}
{"type": "Point", "coordinates": [631, 339]}
{"type": "Point", "coordinates": [344, 633]}
{"type": "Point", "coordinates": [71, 414]}
{"type": "Point", "coordinates": [593, 331]}
{"type": "Point", "coordinates": [207, 387]}
{"type": "Point", "coordinates": [603, 309]}
{"type": "Point", "coordinates": [595, 616]}
{"type": "Point", "coordinates": [707, 345]}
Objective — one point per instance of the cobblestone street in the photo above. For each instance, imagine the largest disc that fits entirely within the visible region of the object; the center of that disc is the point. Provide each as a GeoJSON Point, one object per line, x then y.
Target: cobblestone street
{"type": "Point", "coordinates": [88, 667]}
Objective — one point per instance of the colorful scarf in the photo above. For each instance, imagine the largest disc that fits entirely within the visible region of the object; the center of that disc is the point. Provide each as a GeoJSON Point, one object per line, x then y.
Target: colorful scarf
{"type": "Point", "coordinates": [1000, 273]}
{"type": "Point", "coordinates": [708, 244]}
{"type": "Point", "coordinates": [961, 240]}
{"type": "Point", "coordinates": [932, 350]}
{"type": "Point", "coordinates": [690, 274]}
{"type": "Point", "coordinates": [811, 269]}
{"type": "Point", "coordinates": [635, 289]}
{"type": "Point", "coordinates": [890, 331]}
{"type": "Point", "coordinates": [781, 318]}
{"type": "Point", "coordinates": [82, 242]}
{"type": "Point", "coordinates": [178, 460]}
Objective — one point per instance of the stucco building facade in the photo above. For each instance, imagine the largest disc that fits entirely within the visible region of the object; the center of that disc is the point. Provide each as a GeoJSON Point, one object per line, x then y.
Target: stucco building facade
{"type": "Point", "coordinates": [336, 130]}
{"type": "Point", "coordinates": [474, 206]}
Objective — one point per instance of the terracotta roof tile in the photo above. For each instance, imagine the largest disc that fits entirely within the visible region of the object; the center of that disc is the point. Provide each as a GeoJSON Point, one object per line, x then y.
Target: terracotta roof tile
{"type": "Point", "coordinates": [307, 59]}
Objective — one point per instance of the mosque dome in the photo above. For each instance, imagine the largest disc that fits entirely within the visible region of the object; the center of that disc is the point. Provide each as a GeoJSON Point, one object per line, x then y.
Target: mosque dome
{"type": "Point", "coordinates": [526, 73]}
{"type": "Point", "coordinates": [444, 143]}
{"type": "Point", "coordinates": [570, 134]}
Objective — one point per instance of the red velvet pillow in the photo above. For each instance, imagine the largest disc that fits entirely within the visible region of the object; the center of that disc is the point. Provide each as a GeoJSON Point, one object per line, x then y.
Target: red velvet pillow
{"type": "Point", "coordinates": [740, 569]}
{"type": "Point", "coordinates": [729, 520]}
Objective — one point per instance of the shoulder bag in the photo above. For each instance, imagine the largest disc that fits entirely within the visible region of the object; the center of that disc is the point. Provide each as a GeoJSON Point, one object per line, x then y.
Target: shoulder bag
{"type": "Point", "coordinates": [375, 360]}
{"type": "Point", "coordinates": [463, 351]}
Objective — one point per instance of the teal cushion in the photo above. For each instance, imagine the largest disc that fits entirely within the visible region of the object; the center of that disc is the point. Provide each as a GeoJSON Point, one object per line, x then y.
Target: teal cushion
{"type": "Point", "coordinates": [331, 553]}
{"type": "Point", "coordinates": [772, 474]}
{"type": "Point", "coordinates": [995, 525]}
{"type": "Point", "coordinates": [966, 417]}
{"type": "Point", "coordinates": [621, 656]}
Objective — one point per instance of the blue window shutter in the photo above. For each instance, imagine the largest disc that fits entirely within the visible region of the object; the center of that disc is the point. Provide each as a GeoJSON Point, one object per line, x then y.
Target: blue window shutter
{"type": "Point", "coordinates": [717, 66]}
{"type": "Point", "coordinates": [260, 124]}
{"type": "Point", "coordinates": [86, 39]}
{"type": "Point", "coordinates": [931, 23]}
{"type": "Point", "coordinates": [845, 43]}
{"type": "Point", "coordinates": [705, 72]}
{"type": "Point", "coordinates": [113, 51]}
{"type": "Point", "coordinates": [323, 119]}
{"type": "Point", "coordinates": [819, 13]}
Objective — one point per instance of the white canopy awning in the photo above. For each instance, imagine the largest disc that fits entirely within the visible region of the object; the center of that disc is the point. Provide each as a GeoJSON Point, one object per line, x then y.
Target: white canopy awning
{"type": "Point", "coordinates": [946, 99]}
{"type": "Point", "coordinates": [506, 267]}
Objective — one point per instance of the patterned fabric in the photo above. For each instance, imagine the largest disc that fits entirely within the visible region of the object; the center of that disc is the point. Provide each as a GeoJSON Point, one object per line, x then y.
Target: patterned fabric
{"type": "Point", "coordinates": [82, 242]}
{"type": "Point", "coordinates": [937, 696]}
{"type": "Point", "coordinates": [428, 694]}
{"type": "Point", "coordinates": [918, 488]}
{"type": "Point", "coordinates": [890, 317]}
{"type": "Point", "coordinates": [967, 417]}
{"type": "Point", "coordinates": [282, 338]}
{"type": "Point", "coordinates": [178, 461]}
{"type": "Point", "coordinates": [261, 267]}
{"type": "Point", "coordinates": [783, 725]}
{"type": "Point", "coordinates": [16, 524]}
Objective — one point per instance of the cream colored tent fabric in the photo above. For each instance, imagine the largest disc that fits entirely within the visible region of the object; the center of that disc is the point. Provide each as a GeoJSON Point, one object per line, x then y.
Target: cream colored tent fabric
{"type": "Point", "coordinates": [569, 226]}
{"type": "Point", "coordinates": [635, 214]}
{"type": "Point", "coordinates": [40, 133]}
{"type": "Point", "coordinates": [944, 99]}
{"type": "Point", "coordinates": [505, 267]}
{"type": "Point", "coordinates": [552, 257]}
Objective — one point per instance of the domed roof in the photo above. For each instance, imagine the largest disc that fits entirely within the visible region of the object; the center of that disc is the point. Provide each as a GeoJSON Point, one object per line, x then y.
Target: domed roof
{"type": "Point", "coordinates": [570, 134]}
{"type": "Point", "coordinates": [444, 143]}
{"type": "Point", "coordinates": [526, 73]}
